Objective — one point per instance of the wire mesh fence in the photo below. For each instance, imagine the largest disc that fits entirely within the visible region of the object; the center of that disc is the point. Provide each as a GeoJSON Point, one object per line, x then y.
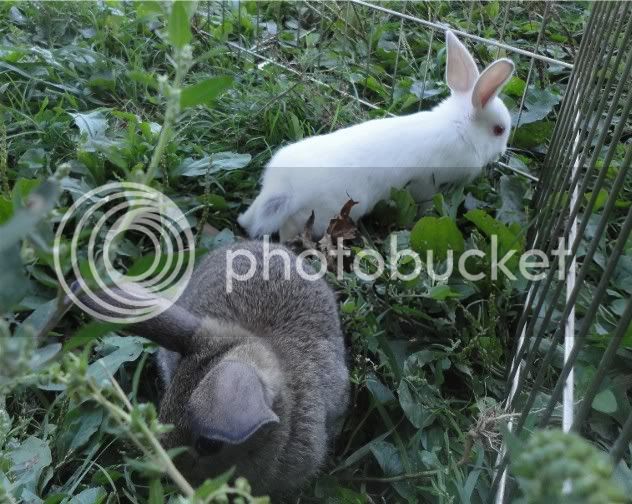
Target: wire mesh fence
{"type": "Point", "coordinates": [589, 131]}
{"type": "Point", "coordinates": [579, 189]}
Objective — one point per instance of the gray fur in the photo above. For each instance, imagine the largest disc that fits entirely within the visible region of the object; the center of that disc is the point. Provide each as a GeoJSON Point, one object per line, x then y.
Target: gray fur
{"type": "Point", "coordinates": [281, 340]}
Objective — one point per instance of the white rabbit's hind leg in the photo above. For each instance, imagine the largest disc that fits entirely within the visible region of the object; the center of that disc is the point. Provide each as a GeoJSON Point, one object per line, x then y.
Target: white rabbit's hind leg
{"type": "Point", "coordinates": [266, 215]}
{"type": "Point", "coordinates": [245, 219]}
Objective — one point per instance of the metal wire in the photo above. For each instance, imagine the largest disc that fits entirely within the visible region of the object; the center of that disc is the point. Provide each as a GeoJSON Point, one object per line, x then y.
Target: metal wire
{"type": "Point", "coordinates": [545, 18]}
{"type": "Point", "coordinates": [596, 99]}
{"type": "Point", "coordinates": [604, 365]}
{"type": "Point", "coordinates": [443, 27]}
{"type": "Point", "coordinates": [621, 444]}
{"type": "Point", "coordinates": [589, 317]}
{"type": "Point", "coordinates": [551, 207]}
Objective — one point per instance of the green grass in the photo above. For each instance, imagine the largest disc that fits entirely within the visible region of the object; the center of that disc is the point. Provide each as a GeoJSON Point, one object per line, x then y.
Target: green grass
{"type": "Point", "coordinates": [428, 357]}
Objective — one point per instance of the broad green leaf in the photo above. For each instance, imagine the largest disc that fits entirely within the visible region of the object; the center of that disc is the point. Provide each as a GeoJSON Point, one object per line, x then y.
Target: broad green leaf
{"type": "Point", "coordinates": [600, 200]}
{"type": "Point", "coordinates": [211, 485]}
{"type": "Point", "coordinates": [416, 412]}
{"type": "Point", "coordinates": [389, 459]}
{"type": "Point", "coordinates": [104, 476]}
{"type": "Point", "coordinates": [406, 207]}
{"type": "Point", "coordinates": [103, 81]}
{"type": "Point", "coordinates": [295, 129]}
{"type": "Point", "coordinates": [512, 192]}
{"type": "Point", "coordinates": [149, 8]}
{"type": "Point", "coordinates": [492, 9]}
{"type": "Point", "coordinates": [16, 16]}
{"type": "Point", "coordinates": [507, 240]}
{"type": "Point", "coordinates": [23, 187]}
{"type": "Point", "coordinates": [190, 6]}
{"type": "Point", "coordinates": [12, 278]}
{"type": "Point", "coordinates": [442, 292]}
{"type": "Point", "coordinates": [43, 355]}
{"type": "Point", "coordinates": [538, 104]}
{"type": "Point", "coordinates": [204, 92]}
{"type": "Point", "coordinates": [88, 332]}
{"type": "Point", "coordinates": [92, 124]}
{"type": "Point", "coordinates": [79, 425]}
{"type": "Point", "coordinates": [438, 234]}
{"type": "Point", "coordinates": [126, 349]}
{"type": "Point", "coordinates": [622, 277]}
{"type": "Point", "coordinates": [374, 85]}
{"type": "Point", "coordinates": [145, 78]}
{"type": "Point", "coordinates": [380, 392]}
{"type": "Point", "coordinates": [361, 452]}
{"type": "Point", "coordinates": [229, 161]}
{"type": "Point", "coordinates": [28, 461]}
{"type": "Point", "coordinates": [220, 161]}
{"type": "Point", "coordinates": [32, 162]}
{"type": "Point", "coordinates": [605, 402]}
{"type": "Point", "coordinates": [37, 319]}
{"type": "Point", "coordinates": [178, 26]}
{"type": "Point", "coordinates": [528, 136]}
{"type": "Point", "coordinates": [6, 209]}
{"type": "Point", "coordinates": [515, 87]}
{"type": "Point", "coordinates": [89, 496]}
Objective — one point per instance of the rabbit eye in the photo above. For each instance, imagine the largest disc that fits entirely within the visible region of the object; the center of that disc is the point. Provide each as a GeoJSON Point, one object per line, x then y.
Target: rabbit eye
{"type": "Point", "coordinates": [498, 130]}
{"type": "Point", "coordinates": [205, 446]}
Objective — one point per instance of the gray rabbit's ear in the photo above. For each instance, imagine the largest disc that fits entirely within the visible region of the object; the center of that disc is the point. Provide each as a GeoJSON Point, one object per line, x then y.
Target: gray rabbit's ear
{"type": "Point", "coordinates": [174, 328]}
{"type": "Point", "coordinates": [230, 404]}
{"type": "Point", "coordinates": [461, 71]}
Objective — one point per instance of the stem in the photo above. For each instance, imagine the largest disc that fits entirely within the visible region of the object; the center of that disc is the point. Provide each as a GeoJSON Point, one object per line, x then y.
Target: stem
{"type": "Point", "coordinates": [4, 177]}
{"type": "Point", "coordinates": [356, 430]}
{"type": "Point", "coordinates": [159, 451]}
{"type": "Point", "coordinates": [391, 479]}
{"type": "Point", "coordinates": [182, 64]}
{"type": "Point", "coordinates": [63, 304]}
{"type": "Point", "coordinates": [173, 107]}
{"type": "Point", "coordinates": [170, 467]}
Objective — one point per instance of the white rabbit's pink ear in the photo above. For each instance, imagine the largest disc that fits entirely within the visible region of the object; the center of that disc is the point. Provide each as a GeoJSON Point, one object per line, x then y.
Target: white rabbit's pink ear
{"type": "Point", "coordinates": [491, 81]}
{"type": "Point", "coordinates": [461, 71]}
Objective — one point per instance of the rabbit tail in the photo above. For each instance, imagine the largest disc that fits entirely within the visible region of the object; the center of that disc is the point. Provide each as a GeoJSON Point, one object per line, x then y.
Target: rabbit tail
{"type": "Point", "coordinates": [266, 215]}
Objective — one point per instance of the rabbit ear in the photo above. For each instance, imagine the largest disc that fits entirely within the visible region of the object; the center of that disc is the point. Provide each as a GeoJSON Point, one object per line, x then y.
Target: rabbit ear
{"type": "Point", "coordinates": [461, 71]}
{"type": "Point", "coordinates": [491, 82]}
{"type": "Point", "coordinates": [173, 329]}
{"type": "Point", "coordinates": [230, 404]}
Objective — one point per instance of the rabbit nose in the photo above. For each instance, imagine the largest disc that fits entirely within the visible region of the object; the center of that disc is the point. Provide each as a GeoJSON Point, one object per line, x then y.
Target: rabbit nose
{"type": "Point", "coordinates": [205, 446]}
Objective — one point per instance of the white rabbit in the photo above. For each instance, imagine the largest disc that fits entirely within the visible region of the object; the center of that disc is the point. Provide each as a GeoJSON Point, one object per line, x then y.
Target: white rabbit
{"type": "Point", "coordinates": [450, 143]}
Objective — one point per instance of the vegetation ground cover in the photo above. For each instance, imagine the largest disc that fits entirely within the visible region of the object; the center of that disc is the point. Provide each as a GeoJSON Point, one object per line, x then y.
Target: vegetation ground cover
{"type": "Point", "coordinates": [83, 94]}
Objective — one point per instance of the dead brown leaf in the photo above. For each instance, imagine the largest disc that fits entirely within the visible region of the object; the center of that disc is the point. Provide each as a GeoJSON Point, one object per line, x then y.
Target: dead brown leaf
{"type": "Point", "coordinates": [342, 225]}
{"type": "Point", "coordinates": [340, 228]}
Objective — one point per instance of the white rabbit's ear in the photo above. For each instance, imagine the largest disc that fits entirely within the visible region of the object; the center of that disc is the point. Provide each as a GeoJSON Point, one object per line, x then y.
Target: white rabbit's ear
{"type": "Point", "coordinates": [491, 81]}
{"type": "Point", "coordinates": [461, 71]}
{"type": "Point", "coordinates": [230, 404]}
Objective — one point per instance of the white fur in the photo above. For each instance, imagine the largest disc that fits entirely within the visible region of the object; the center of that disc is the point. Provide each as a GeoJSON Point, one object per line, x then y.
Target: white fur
{"type": "Point", "coordinates": [448, 144]}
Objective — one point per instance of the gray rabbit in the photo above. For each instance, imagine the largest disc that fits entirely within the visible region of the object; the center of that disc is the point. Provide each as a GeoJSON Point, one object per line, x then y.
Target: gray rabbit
{"type": "Point", "coordinates": [255, 378]}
